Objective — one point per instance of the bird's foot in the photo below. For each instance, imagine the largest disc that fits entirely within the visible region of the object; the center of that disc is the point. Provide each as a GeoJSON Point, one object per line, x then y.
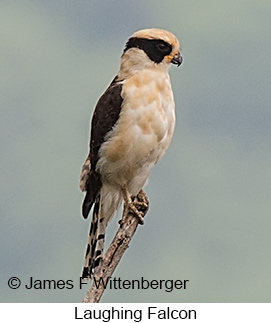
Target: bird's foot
{"type": "Point", "coordinates": [136, 205]}
{"type": "Point", "coordinates": [141, 202]}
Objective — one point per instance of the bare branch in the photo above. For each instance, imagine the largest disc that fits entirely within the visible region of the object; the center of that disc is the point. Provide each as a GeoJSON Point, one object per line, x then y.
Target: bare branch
{"type": "Point", "coordinates": [117, 248]}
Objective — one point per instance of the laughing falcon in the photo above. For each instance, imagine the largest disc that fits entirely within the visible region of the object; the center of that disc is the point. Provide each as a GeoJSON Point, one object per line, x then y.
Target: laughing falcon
{"type": "Point", "coordinates": [131, 130]}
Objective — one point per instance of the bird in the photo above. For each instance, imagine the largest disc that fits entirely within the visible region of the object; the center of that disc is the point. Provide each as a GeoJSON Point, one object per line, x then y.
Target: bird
{"type": "Point", "coordinates": [131, 129]}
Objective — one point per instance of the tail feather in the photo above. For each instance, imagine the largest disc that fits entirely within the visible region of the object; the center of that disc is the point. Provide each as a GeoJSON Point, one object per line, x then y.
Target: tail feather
{"type": "Point", "coordinates": [90, 183]}
{"type": "Point", "coordinates": [87, 204]}
{"type": "Point", "coordinates": [95, 246]}
{"type": "Point", "coordinates": [105, 206]}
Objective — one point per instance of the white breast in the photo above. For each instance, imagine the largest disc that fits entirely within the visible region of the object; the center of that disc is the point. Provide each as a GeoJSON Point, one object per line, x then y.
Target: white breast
{"type": "Point", "coordinates": [142, 133]}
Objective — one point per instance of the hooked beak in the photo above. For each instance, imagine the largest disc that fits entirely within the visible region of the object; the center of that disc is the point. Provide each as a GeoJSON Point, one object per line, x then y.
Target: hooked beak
{"type": "Point", "coordinates": [177, 59]}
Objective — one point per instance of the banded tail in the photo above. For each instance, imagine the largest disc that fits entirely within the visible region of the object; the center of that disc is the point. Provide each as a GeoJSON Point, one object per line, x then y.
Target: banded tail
{"type": "Point", "coordinates": [105, 206]}
{"type": "Point", "coordinates": [95, 246]}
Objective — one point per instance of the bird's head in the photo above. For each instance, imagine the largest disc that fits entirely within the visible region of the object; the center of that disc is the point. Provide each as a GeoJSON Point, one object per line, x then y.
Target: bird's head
{"type": "Point", "coordinates": [149, 48]}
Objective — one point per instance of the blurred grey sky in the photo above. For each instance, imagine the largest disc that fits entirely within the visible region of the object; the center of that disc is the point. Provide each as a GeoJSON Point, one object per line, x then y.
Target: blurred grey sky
{"type": "Point", "coordinates": [209, 218]}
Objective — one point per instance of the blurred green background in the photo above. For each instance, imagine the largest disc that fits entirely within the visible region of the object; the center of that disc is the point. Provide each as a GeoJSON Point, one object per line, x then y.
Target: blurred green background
{"type": "Point", "coordinates": [209, 219]}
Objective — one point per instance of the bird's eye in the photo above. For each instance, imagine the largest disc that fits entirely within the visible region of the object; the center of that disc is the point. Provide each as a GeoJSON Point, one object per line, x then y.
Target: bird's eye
{"type": "Point", "coordinates": [164, 48]}
{"type": "Point", "coordinates": [161, 47]}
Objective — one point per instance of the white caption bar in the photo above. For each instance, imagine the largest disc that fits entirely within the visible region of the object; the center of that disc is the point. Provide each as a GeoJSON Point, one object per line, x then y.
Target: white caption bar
{"type": "Point", "coordinates": [135, 312]}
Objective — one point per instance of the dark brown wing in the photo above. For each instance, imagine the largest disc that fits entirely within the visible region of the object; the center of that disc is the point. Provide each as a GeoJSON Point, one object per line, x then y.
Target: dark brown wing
{"type": "Point", "coordinates": [104, 118]}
